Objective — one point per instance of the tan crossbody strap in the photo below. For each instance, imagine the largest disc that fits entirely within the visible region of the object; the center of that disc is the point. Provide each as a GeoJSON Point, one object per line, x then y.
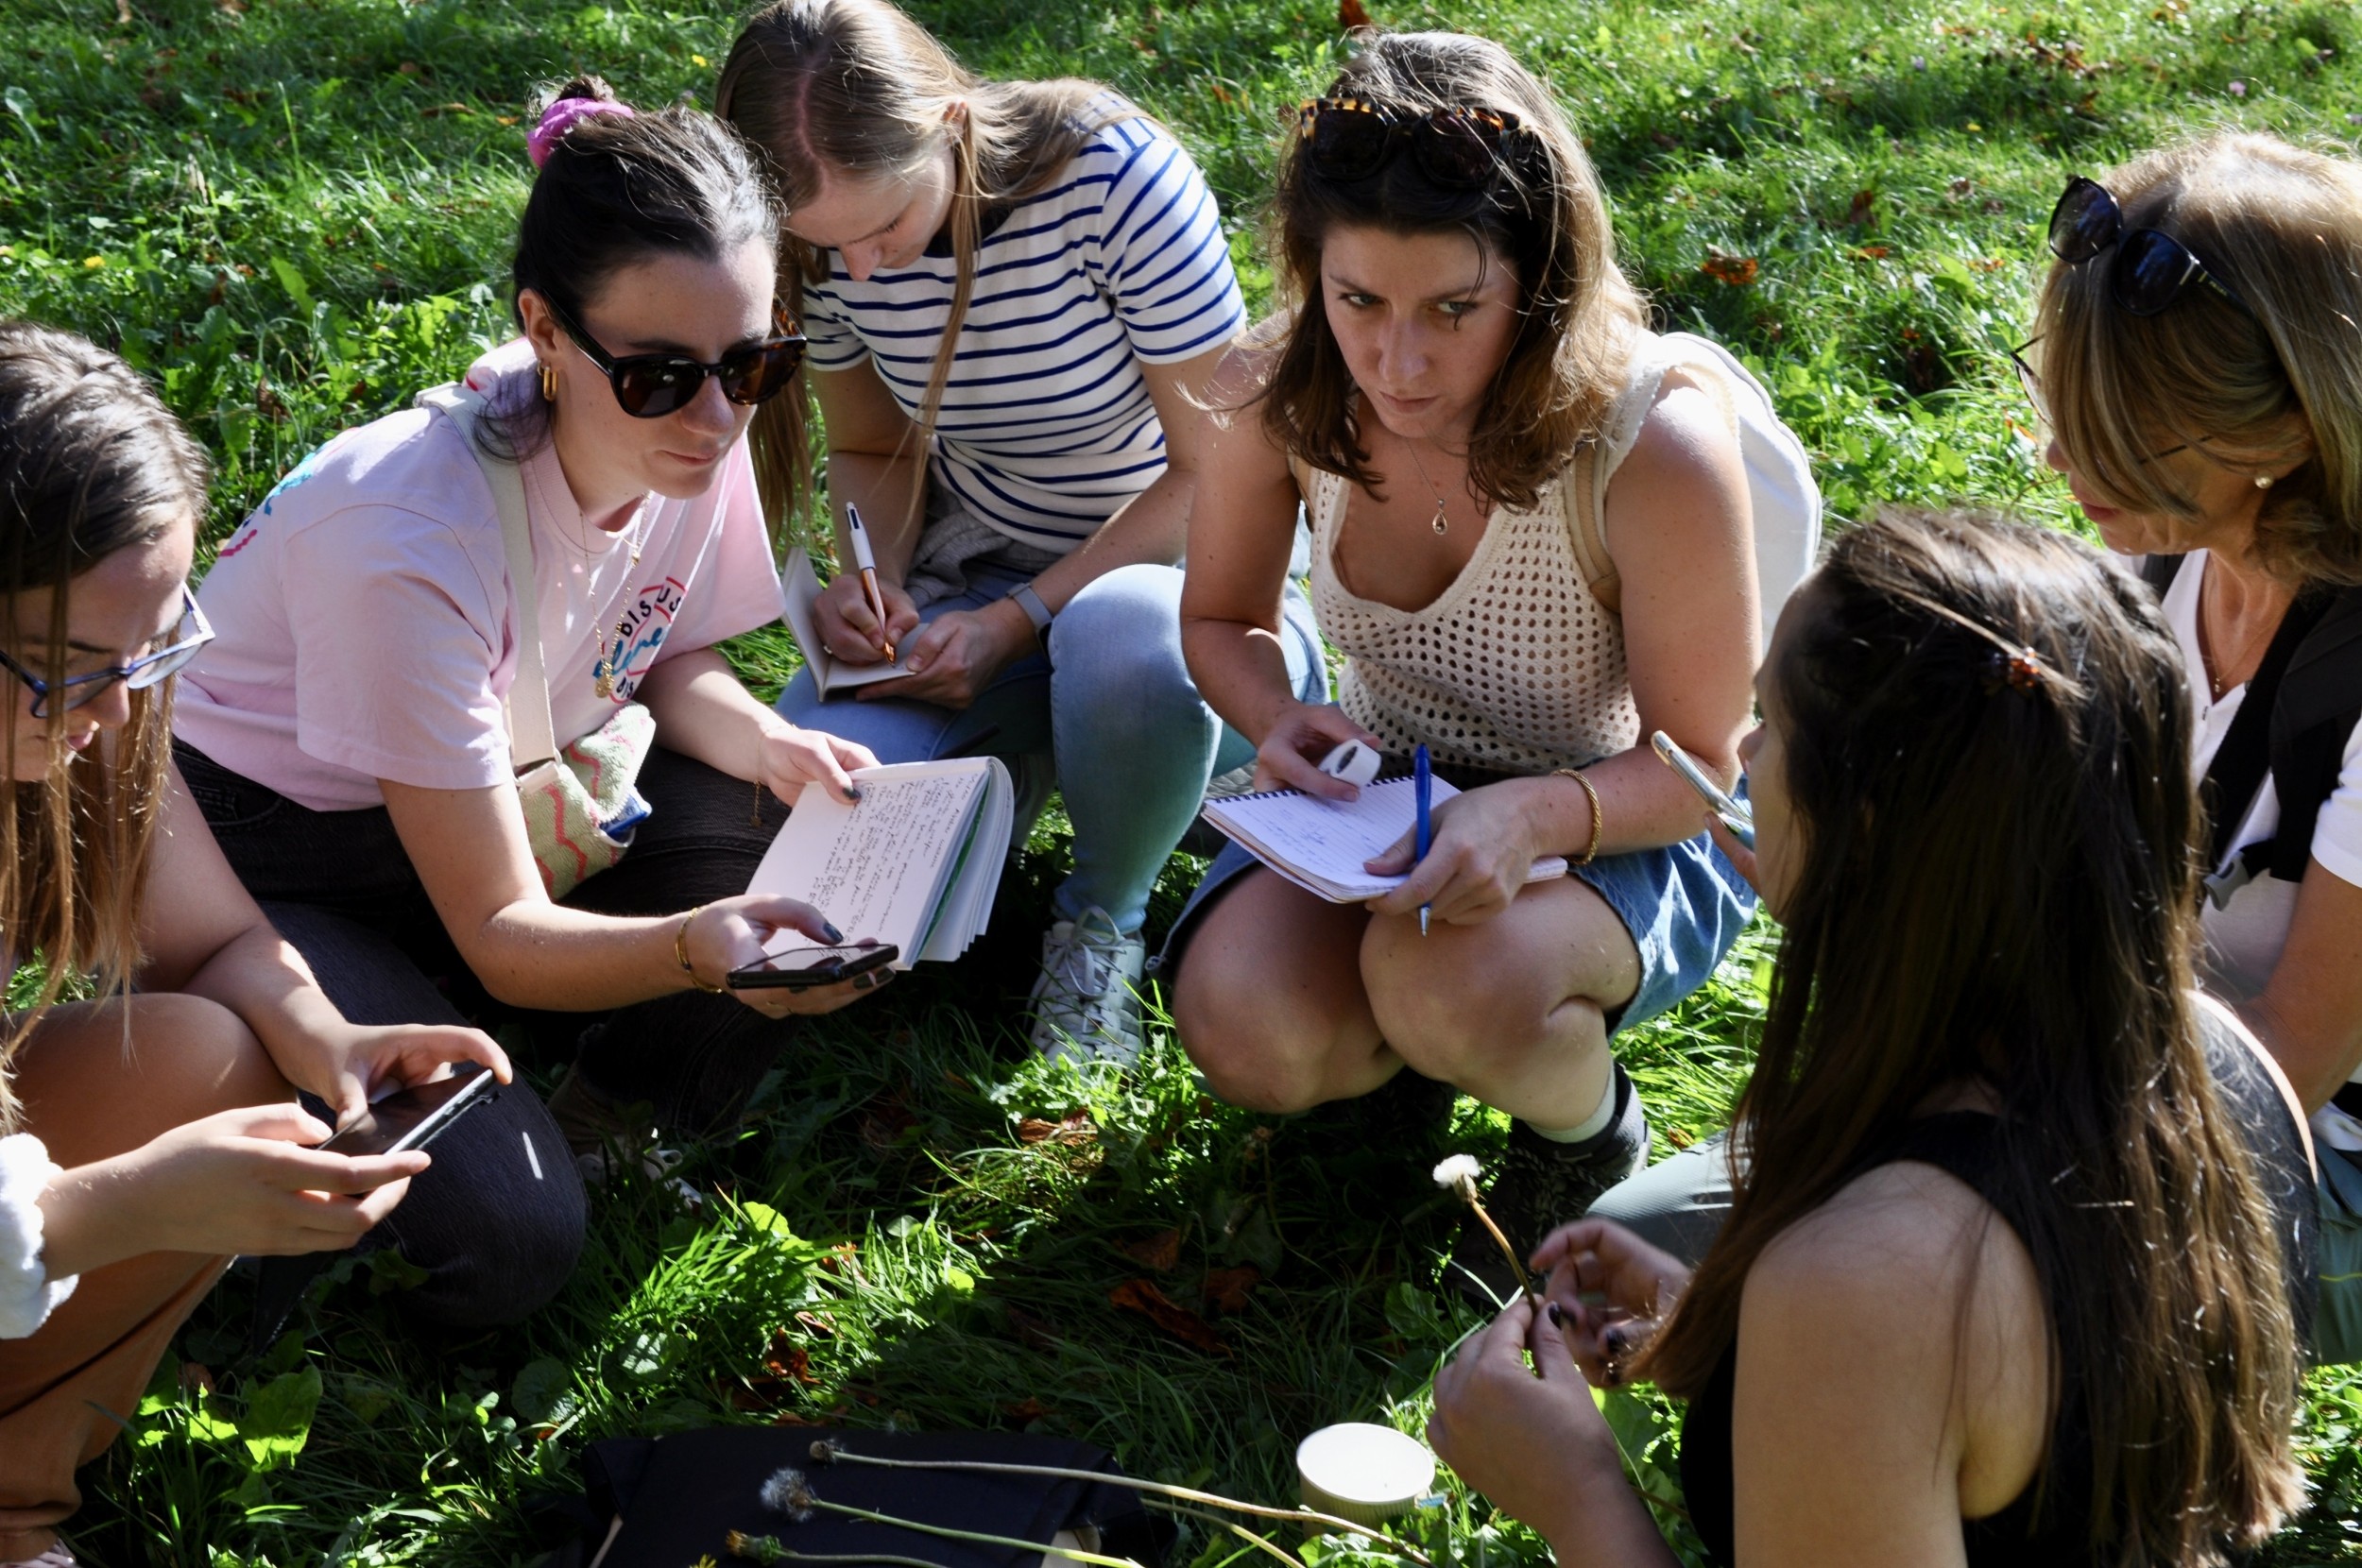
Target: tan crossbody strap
{"type": "Point", "coordinates": [1583, 495]}
{"type": "Point", "coordinates": [532, 732]}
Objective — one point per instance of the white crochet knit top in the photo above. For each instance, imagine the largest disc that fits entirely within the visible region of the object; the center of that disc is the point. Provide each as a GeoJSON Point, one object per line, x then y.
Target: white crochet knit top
{"type": "Point", "coordinates": [1515, 667]}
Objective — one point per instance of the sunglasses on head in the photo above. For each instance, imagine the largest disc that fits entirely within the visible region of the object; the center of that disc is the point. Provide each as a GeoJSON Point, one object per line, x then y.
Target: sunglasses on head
{"type": "Point", "coordinates": [1347, 139]}
{"type": "Point", "coordinates": [2151, 268]}
{"type": "Point", "coordinates": [649, 387]}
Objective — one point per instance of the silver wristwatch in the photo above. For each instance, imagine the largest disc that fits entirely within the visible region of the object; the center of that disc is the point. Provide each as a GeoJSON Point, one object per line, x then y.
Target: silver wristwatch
{"type": "Point", "coordinates": [1036, 611]}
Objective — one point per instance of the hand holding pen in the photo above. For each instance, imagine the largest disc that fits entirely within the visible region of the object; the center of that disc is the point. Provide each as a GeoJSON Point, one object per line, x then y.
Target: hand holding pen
{"type": "Point", "coordinates": [866, 560]}
{"type": "Point", "coordinates": [1423, 826]}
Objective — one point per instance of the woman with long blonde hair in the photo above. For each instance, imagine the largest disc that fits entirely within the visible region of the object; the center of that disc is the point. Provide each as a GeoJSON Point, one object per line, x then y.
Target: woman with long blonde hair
{"type": "Point", "coordinates": [148, 1136]}
{"type": "Point", "coordinates": [2198, 357]}
{"type": "Point", "coordinates": [1015, 292]}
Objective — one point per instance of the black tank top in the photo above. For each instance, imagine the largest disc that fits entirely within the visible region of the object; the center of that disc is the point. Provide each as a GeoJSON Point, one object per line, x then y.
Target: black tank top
{"type": "Point", "coordinates": [1961, 1143]}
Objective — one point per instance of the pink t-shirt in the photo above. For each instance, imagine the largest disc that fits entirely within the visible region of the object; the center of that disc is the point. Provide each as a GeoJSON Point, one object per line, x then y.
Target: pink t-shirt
{"type": "Point", "coordinates": [366, 627]}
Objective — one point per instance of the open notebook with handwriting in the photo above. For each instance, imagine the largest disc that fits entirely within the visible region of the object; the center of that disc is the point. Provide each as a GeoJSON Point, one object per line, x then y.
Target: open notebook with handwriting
{"type": "Point", "coordinates": [916, 864]}
{"type": "Point", "coordinates": [1320, 845]}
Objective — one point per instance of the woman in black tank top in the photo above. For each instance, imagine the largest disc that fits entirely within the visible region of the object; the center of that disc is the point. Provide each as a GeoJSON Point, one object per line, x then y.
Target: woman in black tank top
{"type": "Point", "coordinates": [2017, 1267]}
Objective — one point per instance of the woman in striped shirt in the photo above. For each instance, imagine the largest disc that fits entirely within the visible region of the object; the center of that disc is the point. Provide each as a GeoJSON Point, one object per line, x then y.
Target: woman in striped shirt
{"type": "Point", "coordinates": [1014, 293]}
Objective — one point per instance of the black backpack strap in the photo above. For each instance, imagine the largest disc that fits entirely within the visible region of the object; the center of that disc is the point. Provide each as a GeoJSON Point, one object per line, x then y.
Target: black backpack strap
{"type": "Point", "coordinates": [2246, 753]}
{"type": "Point", "coordinates": [2320, 703]}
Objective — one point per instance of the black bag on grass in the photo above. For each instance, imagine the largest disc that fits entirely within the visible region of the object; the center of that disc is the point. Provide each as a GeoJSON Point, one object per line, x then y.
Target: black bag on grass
{"type": "Point", "coordinates": [666, 1502]}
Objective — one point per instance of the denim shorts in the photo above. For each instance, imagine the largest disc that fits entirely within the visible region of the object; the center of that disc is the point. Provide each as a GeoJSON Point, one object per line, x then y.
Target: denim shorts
{"type": "Point", "coordinates": [1684, 904]}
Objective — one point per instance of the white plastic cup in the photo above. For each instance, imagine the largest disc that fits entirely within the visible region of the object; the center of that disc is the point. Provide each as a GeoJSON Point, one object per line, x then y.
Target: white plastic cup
{"type": "Point", "coordinates": [1364, 1473]}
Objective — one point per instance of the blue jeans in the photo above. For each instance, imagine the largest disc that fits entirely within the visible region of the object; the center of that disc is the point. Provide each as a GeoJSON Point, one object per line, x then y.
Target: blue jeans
{"type": "Point", "coordinates": [1109, 715]}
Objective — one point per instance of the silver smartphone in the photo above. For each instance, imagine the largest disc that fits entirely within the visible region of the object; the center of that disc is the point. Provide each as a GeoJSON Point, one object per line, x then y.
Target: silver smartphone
{"type": "Point", "coordinates": [1734, 814]}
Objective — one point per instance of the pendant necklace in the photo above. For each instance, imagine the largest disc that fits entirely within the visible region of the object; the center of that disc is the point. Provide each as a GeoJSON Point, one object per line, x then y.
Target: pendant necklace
{"type": "Point", "coordinates": [1441, 524]}
{"type": "Point", "coordinates": [603, 674]}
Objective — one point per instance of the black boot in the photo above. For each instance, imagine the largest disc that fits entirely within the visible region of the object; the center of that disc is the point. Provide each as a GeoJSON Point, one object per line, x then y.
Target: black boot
{"type": "Point", "coordinates": [1540, 1186]}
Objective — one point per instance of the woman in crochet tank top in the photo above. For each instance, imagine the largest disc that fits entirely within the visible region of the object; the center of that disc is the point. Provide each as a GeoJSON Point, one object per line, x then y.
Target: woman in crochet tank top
{"type": "Point", "coordinates": [1459, 333]}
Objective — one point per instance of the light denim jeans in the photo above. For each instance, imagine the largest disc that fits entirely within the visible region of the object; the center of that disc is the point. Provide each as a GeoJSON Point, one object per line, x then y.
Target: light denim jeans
{"type": "Point", "coordinates": [1110, 716]}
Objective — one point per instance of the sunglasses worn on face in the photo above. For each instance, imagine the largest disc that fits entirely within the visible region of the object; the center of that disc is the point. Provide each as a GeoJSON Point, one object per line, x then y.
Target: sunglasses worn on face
{"type": "Point", "coordinates": [189, 633]}
{"type": "Point", "coordinates": [1346, 140]}
{"type": "Point", "coordinates": [2151, 268]}
{"type": "Point", "coordinates": [649, 387]}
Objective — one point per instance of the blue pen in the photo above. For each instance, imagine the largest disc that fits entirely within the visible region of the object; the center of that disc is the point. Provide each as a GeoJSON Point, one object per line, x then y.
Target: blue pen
{"type": "Point", "coordinates": [1422, 790]}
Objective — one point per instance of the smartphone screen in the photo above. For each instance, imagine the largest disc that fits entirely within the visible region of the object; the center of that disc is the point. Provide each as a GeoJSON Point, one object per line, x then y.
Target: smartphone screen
{"type": "Point", "coordinates": [800, 968]}
{"type": "Point", "coordinates": [414, 1117]}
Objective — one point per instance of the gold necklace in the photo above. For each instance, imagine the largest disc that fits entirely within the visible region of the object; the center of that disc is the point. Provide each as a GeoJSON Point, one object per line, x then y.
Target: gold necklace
{"type": "Point", "coordinates": [2217, 676]}
{"type": "Point", "coordinates": [1442, 525]}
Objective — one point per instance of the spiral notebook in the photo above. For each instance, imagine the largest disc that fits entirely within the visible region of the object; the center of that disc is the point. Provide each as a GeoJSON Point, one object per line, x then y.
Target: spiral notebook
{"type": "Point", "coordinates": [1320, 845]}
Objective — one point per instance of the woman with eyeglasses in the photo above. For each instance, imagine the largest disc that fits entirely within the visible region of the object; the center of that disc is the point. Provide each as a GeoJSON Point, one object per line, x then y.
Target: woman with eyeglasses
{"type": "Point", "coordinates": [150, 1135]}
{"type": "Point", "coordinates": [2198, 366]}
{"type": "Point", "coordinates": [352, 732]}
{"type": "Point", "coordinates": [1016, 292]}
{"type": "Point", "coordinates": [2018, 1274]}
{"type": "Point", "coordinates": [1535, 540]}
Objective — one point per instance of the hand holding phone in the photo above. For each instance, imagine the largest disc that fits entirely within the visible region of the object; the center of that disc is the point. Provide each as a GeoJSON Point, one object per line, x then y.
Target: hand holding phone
{"type": "Point", "coordinates": [808, 968]}
{"type": "Point", "coordinates": [414, 1117]}
{"type": "Point", "coordinates": [1735, 815]}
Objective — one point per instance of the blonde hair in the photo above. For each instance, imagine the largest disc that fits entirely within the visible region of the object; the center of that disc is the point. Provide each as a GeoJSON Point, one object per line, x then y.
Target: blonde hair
{"type": "Point", "coordinates": [90, 462]}
{"type": "Point", "coordinates": [1543, 215]}
{"type": "Point", "coordinates": [855, 87]}
{"type": "Point", "coordinates": [2272, 388]}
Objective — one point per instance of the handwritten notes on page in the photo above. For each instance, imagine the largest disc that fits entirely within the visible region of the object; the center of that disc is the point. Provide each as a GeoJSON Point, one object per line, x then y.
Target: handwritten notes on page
{"type": "Point", "coordinates": [915, 863]}
{"type": "Point", "coordinates": [1321, 844]}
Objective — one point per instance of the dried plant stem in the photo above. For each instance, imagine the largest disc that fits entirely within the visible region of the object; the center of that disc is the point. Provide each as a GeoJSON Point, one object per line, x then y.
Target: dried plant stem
{"type": "Point", "coordinates": [1260, 1543]}
{"type": "Point", "coordinates": [948, 1533]}
{"type": "Point", "coordinates": [1517, 1264]}
{"type": "Point", "coordinates": [767, 1549]}
{"type": "Point", "coordinates": [1160, 1489]}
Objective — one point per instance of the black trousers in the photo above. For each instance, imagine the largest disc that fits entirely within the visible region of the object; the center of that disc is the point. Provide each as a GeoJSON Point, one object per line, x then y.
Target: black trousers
{"type": "Point", "coordinates": [497, 1221]}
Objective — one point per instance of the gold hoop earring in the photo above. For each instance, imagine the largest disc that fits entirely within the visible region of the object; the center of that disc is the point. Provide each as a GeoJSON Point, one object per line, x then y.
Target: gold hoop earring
{"type": "Point", "coordinates": [549, 383]}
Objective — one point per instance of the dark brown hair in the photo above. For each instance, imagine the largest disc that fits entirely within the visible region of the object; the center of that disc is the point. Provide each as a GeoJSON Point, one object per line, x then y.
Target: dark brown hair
{"type": "Point", "coordinates": [1543, 216]}
{"type": "Point", "coordinates": [618, 191]}
{"type": "Point", "coordinates": [856, 89]}
{"type": "Point", "coordinates": [2279, 389]}
{"type": "Point", "coordinates": [90, 462]}
{"type": "Point", "coordinates": [1997, 881]}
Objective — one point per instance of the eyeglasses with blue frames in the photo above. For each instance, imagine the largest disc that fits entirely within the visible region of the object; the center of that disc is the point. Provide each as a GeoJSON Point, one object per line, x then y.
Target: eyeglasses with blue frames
{"type": "Point", "coordinates": [189, 633]}
{"type": "Point", "coordinates": [649, 386]}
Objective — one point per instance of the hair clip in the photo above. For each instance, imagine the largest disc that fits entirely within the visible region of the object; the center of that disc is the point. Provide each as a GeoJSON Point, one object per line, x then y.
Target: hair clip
{"type": "Point", "coordinates": [2019, 669]}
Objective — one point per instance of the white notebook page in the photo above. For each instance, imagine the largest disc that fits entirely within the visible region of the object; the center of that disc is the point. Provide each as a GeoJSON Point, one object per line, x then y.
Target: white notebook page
{"type": "Point", "coordinates": [877, 869]}
{"type": "Point", "coordinates": [1321, 844]}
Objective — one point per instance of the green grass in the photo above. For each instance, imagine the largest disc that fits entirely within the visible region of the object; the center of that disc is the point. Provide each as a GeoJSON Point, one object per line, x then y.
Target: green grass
{"type": "Point", "coordinates": [293, 212]}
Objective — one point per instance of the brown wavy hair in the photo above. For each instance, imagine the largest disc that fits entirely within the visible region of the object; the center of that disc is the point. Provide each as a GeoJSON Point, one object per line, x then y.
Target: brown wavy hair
{"type": "Point", "coordinates": [1998, 886]}
{"type": "Point", "coordinates": [91, 463]}
{"type": "Point", "coordinates": [2282, 228]}
{"type": "Point", "coordinates": [1544, 217]}
{"type": "Point", "coordinates": [856, 89]}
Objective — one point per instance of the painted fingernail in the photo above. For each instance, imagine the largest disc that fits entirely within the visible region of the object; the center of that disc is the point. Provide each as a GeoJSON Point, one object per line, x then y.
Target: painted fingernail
{"type": "Point", "coordinates": [852, 793]}
{"type": "Point", "coordinates": [1615, 1341]}
{"type": "Point", "coordinates": [836, 938]}
{"type": "Point", "coordinates": [1558, 1319]}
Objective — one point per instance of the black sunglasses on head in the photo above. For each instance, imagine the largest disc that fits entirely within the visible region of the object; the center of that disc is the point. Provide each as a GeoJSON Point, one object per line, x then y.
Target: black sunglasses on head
{"type": "Point", "coordinates": [2152, 269]}
{"type": "Point", "coordinates": [1461, 149]}
{"type": "Point", "coordinates": [649, 387]}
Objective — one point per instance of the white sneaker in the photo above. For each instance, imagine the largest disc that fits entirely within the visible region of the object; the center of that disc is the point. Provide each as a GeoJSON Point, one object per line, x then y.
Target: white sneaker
{"type": "Point", "coordinates": [1087, 1002]}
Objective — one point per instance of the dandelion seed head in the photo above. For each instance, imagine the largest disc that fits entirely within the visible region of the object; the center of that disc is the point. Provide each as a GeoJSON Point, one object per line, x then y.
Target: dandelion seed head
{"type": "Point", "coordinates": [788, 1492]}
{"type": "Point", "coordinates": [1459, 1172]}
{"type": "Point", "coordinates": [823, 1450]}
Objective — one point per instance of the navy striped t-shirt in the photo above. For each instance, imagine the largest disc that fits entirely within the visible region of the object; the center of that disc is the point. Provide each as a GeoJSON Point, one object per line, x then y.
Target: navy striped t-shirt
{"type": "Point", "coordinates": [1045, 427]}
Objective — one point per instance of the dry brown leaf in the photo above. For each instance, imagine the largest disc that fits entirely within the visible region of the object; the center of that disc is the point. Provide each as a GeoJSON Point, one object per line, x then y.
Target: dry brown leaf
{"type": "Point", "coordinates": [1142, 1297]}
{"type": "Point", "coordinates": [1025, 1409]}
{"type": "Point", "coordinates": [1074, 1127]}
{"type": "Point", "coordinates": [1737, 271]}
{"type": "Point", "coordinates": [1226, 1289]}
{"type": "Point", "coordinates": [1352, 14]}
{"type": "Point", "coordinates": [1161, 1251]}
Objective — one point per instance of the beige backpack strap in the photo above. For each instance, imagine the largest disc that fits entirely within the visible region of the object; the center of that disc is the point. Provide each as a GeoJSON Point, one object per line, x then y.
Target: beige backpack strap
{"type": "Point", "coordinates": [1583, 495]}
{"type": "Point", "coordinates": [532, 731]}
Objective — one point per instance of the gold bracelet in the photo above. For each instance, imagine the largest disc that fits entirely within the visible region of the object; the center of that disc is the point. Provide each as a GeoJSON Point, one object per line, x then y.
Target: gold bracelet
{"type": "Point", "coordinates": [1576, 773]}
{"type": "Point", "coordinates": [681, 951]}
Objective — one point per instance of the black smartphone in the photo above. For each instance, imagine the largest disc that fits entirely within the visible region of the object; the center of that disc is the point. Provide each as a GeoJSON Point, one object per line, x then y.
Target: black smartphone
{"type": "Point", "coordinates": [803, 968]}
{"type": "Point", "coordinates": [416, 1117]}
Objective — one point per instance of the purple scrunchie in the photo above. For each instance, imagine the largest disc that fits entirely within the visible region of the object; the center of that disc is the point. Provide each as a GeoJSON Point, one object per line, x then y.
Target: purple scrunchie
{"type": "Point", "coordinates": [560, 117]}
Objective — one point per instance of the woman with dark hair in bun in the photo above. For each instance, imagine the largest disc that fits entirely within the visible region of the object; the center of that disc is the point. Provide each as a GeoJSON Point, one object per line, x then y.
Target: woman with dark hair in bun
{"type": "Point", "coordinates": [392, 655]}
